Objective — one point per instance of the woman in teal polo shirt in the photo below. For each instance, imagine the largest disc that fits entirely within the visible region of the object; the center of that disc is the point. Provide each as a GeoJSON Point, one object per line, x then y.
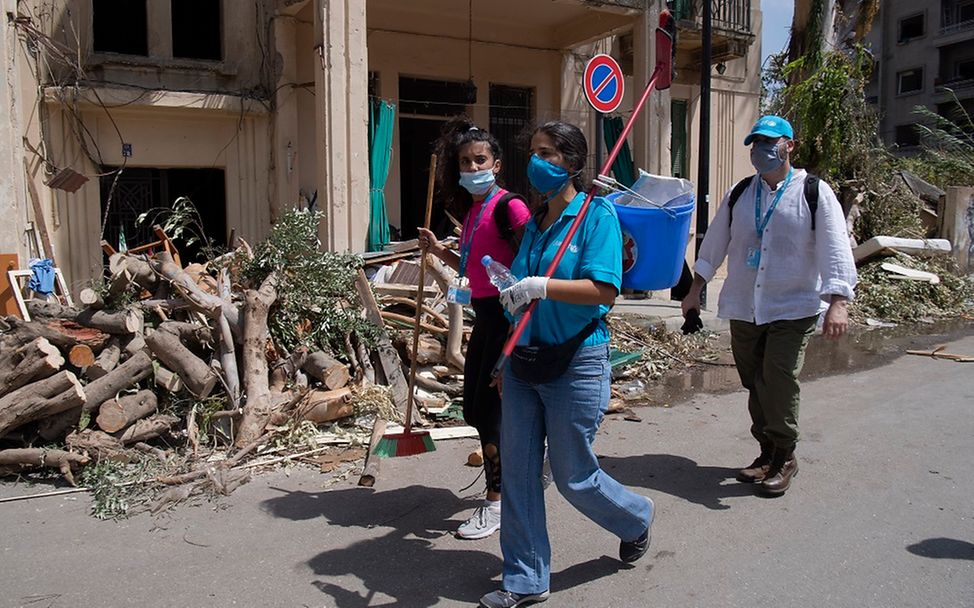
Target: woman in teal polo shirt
{"type": "Point", "coordinates": [567, 407]}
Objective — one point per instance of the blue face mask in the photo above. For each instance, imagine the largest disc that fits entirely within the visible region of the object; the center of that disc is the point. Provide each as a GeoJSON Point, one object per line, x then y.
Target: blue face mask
{"type": "Point", "coordinates": [547, 178]}
{"type": "Point", "coordinates": [478, 182]}
{"type": "Point", "coordinates": [766, 156]}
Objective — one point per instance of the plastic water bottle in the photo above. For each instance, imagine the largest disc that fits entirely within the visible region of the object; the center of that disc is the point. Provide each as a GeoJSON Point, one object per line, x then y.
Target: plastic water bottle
{"type": "Point", "coordinates": [500, 276]}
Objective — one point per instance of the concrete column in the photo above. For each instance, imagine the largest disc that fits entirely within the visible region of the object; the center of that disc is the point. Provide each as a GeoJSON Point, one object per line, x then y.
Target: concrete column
{"type": "Point", "coordinates": [341, 123]}
{"type": "Point", "coordinates": [159, 34]}
{"type": "Point", "coordinates": [651, 133]}
{"type": "Point", "coordinates": [12, 186]}
{"type": "Point", "coordinates": [957, 225]}
{"type": "Point", "coordinates": [285, 142]}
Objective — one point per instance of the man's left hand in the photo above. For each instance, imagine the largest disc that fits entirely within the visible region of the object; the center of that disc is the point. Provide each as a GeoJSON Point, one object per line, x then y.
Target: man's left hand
{"type": "Point", "coordinates": [836, 320]}
{"type": "Point", "coordinates": [518, 295]}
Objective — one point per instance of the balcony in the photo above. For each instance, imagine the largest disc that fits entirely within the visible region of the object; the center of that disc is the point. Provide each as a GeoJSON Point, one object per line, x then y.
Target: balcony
{"type": "Point", "coordinates": [956, 17]}
{"type": "Point", "coordinates": [730, 24]}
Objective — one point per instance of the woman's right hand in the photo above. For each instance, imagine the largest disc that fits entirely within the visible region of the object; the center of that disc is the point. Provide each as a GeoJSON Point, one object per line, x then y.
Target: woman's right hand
{"type": "Point", "coordinates": [428, 242]}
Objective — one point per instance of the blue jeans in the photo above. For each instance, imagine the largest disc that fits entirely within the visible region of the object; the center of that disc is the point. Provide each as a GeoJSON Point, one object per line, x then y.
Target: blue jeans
{"type": "Point", "coordinates": [568, 411]}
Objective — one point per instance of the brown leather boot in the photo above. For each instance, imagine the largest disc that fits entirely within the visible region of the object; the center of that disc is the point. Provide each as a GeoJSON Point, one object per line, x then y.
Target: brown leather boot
{"type": "Point", "coordinates": [784, 466]}
{"type": "Point", "coordinates": [757, 470]}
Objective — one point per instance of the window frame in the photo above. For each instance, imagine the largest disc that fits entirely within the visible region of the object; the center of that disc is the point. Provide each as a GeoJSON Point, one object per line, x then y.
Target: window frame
{"type": "Point", "coordinates": [899, 81]}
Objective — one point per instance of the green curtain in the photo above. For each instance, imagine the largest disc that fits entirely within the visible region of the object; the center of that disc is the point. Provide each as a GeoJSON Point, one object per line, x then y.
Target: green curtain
{"type": "Point", "coordinates": [622, 168]}
{"type": "Point", "coordinates": [381, 117]}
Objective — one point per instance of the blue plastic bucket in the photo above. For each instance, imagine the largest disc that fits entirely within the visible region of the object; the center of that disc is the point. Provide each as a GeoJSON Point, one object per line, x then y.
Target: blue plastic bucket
{"type": "Point", "coordinates": [654, 244]}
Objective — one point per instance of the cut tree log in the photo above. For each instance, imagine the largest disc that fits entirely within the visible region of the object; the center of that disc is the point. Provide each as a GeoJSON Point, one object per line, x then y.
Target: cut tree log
{"type": "Point", "coordinates": [206, 303]}
{"type": "Point", "coordinates": [168, 380]}
{"type": "Point", "coordinates": [96, 444]}
{"type": "Point", "coordinates": [195, 336]}
{"type": "Point", "coordinates": [258, 407]}
{"type": "Point", "coordinates": [150, 428]}
{"type": "Point", "coordinates": [16, 461]}
{"type": "Point", "coordinates": [60, 393]}
{"type": "Point", "coordinates": [226, 347]}
{"type": "Point", "coordinates": [134, 370]}
{"type": "Point", "coordinates": [329, 371]}
{"type": "Point", "coordinates": [59, 332]}
{"type": "Point", "coordinates": [389, 369]}
{"type": "Point", "coordinates": [325, 406]}
{"type": "Point", "coordinates": [91, 298]}
{"type": "Point", "coordinates": [20, 366]}
{"type": "Point", "coordinates": [106, 361]}
{"type": "Point", "coordinates": [196, 375]}
{"type": "Point", "coordinates": [127, 269]}
{"type": "Point", "coordinates": [454, 337]}
{"type": "Point", "coordinates": [118, 413]}
{"type": "Point", "coordinates": [134, 345]}
{"type": "Point", "coordinates": [122, 322]}
{"type": "Point", "coordinates": [81, 356]}
{"type": "Point", "coordinates": [370, 470]}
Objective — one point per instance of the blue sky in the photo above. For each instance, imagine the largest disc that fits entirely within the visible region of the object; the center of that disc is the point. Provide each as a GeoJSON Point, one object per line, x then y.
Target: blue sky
{"type": "Point", "coordinates": [777, 22]}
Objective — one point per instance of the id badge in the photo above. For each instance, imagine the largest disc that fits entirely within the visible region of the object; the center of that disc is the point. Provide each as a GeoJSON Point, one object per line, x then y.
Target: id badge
{"type": "Point", "coordinates": [753, 257]}
{"type": "Point", "coordinates": [458, 294]}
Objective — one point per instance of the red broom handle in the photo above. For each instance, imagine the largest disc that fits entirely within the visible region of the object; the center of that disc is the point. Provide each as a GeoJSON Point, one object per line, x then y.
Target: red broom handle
{"type": "Point", "coordinates": [512, 340]}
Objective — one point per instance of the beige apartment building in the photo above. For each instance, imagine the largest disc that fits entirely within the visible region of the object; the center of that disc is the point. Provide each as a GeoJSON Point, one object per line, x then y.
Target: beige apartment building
{"type": "Point", "coordinates": [251, 108]}
{"type": "Point", "coordinates": [921, 49]}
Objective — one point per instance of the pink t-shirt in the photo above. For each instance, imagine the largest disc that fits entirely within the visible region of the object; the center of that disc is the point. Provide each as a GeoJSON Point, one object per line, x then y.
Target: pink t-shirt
{"type": "Point", "coordinates": [487, 240]}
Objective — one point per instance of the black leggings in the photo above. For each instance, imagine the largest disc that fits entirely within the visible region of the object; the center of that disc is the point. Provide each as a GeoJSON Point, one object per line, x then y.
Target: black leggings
{"type": "Point", "coordinates": [482, 402]}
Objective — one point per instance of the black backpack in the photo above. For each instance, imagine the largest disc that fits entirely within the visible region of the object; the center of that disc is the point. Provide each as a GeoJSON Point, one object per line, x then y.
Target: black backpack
{"type": "Point", "coordinates": [502, 219]}
{"type": "Point", "coordinates": [811, 195]}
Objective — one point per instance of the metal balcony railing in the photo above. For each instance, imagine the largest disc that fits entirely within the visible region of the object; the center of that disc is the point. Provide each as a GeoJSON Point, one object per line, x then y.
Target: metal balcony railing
{"type": "Point", "coordinates": [726, 15]}
{"type": "Point", "coordinates": [956, 18]}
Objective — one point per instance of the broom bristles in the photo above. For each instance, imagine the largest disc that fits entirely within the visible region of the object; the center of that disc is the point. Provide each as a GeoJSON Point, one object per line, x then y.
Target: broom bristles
{"type": "Point", "coordinates": [404, 444]}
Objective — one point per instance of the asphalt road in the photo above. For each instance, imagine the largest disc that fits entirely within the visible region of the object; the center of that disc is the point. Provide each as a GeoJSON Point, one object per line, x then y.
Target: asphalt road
{"type": "Point", "coordinates": [881, 514]}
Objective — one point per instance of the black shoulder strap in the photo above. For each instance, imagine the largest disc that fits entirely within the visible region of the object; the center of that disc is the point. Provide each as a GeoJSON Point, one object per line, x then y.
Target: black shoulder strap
{"type": "Point", "coordinates": [811, 195]}
{"type": "Point", "coordinates": [502, 219]}
{"type": "Point", "coordinates": [736, 194]}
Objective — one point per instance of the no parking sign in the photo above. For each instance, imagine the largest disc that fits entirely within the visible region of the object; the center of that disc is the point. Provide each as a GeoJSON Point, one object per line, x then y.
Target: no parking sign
{"type": "Point", "coordinates": [603, 83]}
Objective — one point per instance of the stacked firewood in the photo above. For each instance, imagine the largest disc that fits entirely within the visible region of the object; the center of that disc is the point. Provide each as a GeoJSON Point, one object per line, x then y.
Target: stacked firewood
{"type": "Point", "coordinates": [100, 380]}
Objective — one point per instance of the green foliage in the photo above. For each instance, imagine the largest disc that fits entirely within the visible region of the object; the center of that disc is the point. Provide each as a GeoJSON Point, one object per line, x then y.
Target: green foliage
{"type": "Point", "coordinates": [313, 293]}
{"type": "Point", "coordinates": [947, 142]}
{"type": "Point", "coordinates": [888, 207]}
{"type": "Point", "coordinates": [118, 488]}
{"type": "Point", "coordinates": [880, 296]}
{"type": "Point", "coordinates": [183, 223]}
{"type": "Point", "coordinates": [835, 129]}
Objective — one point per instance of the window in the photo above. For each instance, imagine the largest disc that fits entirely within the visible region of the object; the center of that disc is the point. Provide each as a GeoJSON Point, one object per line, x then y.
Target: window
{"type": "Point", "coordinates": [434, 97]}
{"type": "Point", "coordinates": [965, 12]}
{"type": "Point", "coordinates": [511, 114]}
{"type": "Point", "coordinates": [907, 135]}
{"type": "Point", "coordinates": [196, 30]}
{"type": "Point", "coordinates": [911, 27]}
{"type": "Point", "coordinates": [964, 69]}
{"type": "Point", "coordinates": [120, 26]}
{"type": "Point", "coordinates": [909, 81]}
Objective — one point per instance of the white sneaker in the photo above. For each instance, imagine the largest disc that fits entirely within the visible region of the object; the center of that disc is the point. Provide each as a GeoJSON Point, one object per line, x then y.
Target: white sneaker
{"type": "Point", "coordinates": [484, 522]}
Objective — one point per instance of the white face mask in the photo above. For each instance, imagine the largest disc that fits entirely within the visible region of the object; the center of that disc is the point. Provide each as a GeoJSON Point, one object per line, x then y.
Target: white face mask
{"type": "Point", "coordinates": [767, 156]}
{"type": "Point", "coordinates": [478, 182]}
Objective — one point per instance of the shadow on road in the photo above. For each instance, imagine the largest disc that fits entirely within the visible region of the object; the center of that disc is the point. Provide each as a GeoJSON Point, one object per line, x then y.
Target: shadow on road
{"type": "Point", "coordinates": [678, 476]}
{"type": "Point", "coordinates": [943, 548]}
{"type": "Point", "coordinates": [400, 567]}
{"type": "Point", "coordinates": [403, 567]}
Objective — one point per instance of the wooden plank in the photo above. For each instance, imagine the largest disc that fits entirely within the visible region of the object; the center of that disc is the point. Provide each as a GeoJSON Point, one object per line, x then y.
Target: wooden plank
{"type": "Point", "coordinates": [8, 301]}
{"type": "Point", "coordinates": [390, 363]}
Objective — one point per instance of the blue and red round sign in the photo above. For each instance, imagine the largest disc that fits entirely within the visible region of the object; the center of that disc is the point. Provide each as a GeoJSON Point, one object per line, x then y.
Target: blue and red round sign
{"type": "Point", "coordinates": [603, 83]}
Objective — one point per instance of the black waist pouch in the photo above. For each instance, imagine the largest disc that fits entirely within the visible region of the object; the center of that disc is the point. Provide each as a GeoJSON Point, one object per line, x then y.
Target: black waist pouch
{"type": "Point", "coordinates": [541, 364]}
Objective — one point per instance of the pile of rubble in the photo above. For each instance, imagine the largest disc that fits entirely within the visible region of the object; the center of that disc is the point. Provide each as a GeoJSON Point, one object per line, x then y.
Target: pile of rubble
{"type": "Point", "coordinates": [193, 376]}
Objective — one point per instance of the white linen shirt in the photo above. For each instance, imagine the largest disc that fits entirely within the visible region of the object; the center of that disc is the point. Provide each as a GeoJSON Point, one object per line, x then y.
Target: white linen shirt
{"type": "Point", "coordinates": [800, 269]}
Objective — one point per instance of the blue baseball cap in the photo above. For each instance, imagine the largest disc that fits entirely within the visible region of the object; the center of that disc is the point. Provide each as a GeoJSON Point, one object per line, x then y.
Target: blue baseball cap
{"type": "Point", "coordinates": [770, 126]}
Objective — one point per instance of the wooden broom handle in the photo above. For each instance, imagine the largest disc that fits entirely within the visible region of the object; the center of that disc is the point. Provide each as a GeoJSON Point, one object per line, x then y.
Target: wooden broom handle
{"type": "Point", "coordinates": [420, 298]}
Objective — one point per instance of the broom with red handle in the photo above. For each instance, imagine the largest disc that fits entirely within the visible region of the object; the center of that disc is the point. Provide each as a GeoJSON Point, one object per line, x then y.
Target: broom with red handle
{"type": "Point", "coordinates": [410, 442]}
{"type": "Point", "coordinates": [661, 79]}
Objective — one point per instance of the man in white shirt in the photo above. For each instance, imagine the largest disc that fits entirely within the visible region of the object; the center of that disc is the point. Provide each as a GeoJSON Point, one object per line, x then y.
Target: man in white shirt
{"type": "Point", "coordinates": [788, 260]}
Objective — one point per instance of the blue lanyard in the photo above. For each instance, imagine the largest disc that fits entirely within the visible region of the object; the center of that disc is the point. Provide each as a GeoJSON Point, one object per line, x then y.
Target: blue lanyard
{"type": "Point", "coordinates": [774, 204]}
{"type": "Point", "coordinates": [466, 245]}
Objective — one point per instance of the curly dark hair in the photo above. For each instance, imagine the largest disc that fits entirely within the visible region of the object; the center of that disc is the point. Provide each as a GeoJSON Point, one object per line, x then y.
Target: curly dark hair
{"type": "Point", "coordinates": [456, 133]}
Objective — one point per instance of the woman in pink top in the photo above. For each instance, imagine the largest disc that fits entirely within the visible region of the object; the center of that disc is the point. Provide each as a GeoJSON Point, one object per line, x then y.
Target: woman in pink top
{"type": "Point", "coordinates": [469, 161]}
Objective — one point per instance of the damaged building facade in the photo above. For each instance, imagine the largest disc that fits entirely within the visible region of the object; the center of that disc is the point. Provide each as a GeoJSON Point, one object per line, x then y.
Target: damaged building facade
{"type": "Point", "coordinates": [117, 107]}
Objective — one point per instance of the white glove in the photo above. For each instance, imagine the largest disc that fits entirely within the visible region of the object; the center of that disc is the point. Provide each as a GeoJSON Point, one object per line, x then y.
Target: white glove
{"type": "Point", "coordinates": [518, 295]}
